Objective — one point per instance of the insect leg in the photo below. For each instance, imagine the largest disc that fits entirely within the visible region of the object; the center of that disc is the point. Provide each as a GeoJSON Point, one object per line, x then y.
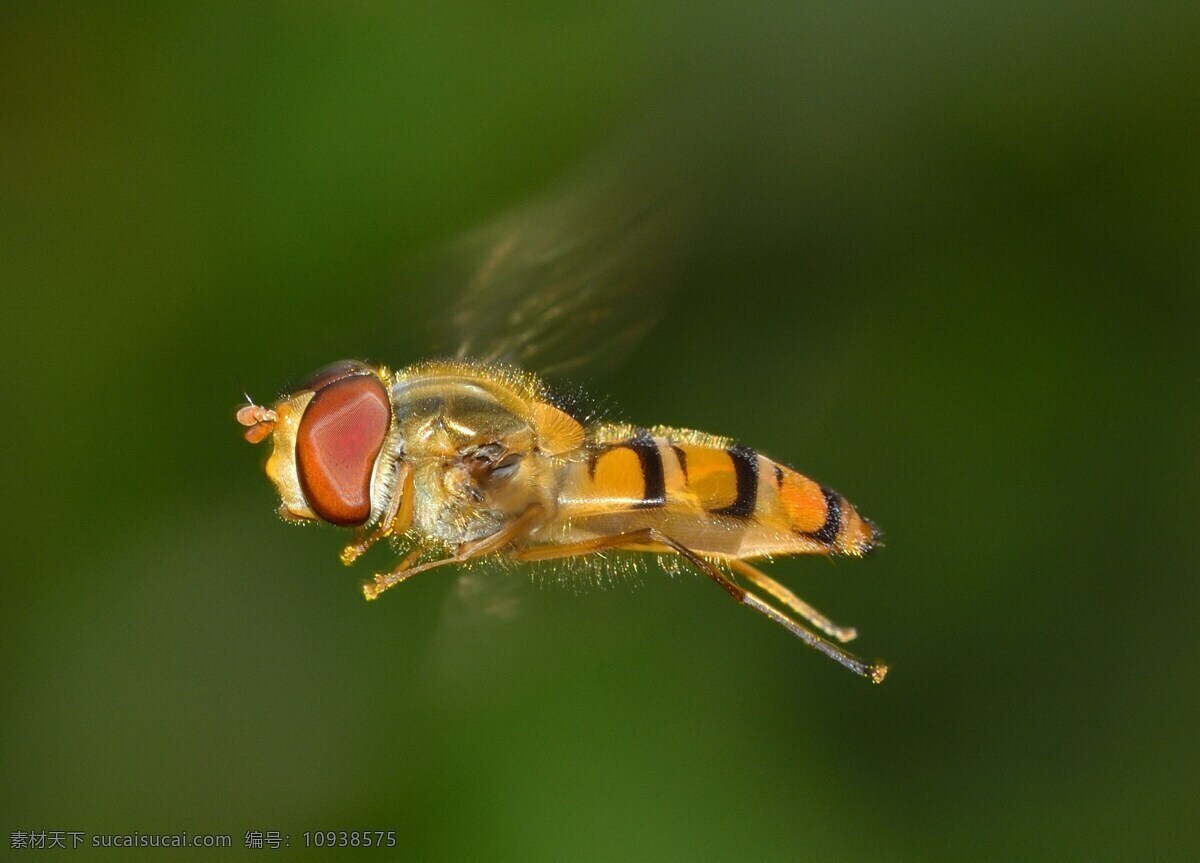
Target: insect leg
{"type": "Point", "coordinates": [515, 529]}
{"type": "Point", "coordinates": [795, 603]}
{"type": "Point", "coordinates": [396, 518]}
{"type": "Point", "coordinates": [403, 571]}
{"type": "Point", "coordinates": [638, 539]}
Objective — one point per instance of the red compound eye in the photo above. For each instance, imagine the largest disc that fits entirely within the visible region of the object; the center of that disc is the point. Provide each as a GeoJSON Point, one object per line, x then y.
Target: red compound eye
{"type": "Point", "coordinates": [338, 440]}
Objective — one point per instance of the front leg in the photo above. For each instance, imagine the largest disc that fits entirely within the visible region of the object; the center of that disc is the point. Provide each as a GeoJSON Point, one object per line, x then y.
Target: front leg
{"type": "Point", "coordinates": [396, 519]}
{"type": "Point", "coordinates": [518, 528]}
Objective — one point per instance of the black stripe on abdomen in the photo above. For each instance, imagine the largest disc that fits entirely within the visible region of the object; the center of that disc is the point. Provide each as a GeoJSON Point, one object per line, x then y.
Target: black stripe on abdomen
{"type": "Point", "coordinates": [681, 457]}
{"type": "Point", "coordinates": [745, 468]}
{"type": "Point", "coordinates": [655, 493]}
{"type": "Point", "coordinates": [828, 532]}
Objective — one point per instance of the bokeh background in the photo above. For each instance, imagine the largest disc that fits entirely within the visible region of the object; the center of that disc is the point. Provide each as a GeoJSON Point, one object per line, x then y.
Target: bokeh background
{"type": "Point", "coordinates": [950, 268]}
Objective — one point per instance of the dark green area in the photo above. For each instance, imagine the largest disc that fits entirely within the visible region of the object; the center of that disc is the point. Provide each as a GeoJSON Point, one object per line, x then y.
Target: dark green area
{"type": "Point", "coordinates": [955, 277]}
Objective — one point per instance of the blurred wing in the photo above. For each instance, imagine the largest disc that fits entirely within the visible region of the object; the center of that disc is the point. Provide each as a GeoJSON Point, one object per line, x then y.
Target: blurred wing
{"type": "Point", "coordinates": [571, 280]}
{"type": "Point", "coordinates": [565, 284]}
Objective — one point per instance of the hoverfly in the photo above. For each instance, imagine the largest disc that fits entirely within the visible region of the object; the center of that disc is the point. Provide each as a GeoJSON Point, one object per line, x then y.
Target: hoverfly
{"type": "Point", "coordinates": [472, 458]}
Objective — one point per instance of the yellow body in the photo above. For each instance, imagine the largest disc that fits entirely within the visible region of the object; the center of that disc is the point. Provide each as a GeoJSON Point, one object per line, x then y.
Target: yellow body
{"type": "Point", "coordinates": [719, 499]}
{"type": "Point", "coordinates": [476, 461]}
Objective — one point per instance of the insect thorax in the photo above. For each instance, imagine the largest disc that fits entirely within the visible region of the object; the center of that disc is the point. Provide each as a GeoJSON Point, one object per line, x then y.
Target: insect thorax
{"type": "Point", "coordinates": [468, 437]}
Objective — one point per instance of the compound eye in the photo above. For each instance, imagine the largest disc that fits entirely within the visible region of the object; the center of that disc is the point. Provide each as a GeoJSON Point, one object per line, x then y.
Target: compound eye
{"type": "Point", "coordinates": [332, 373]}
{"type": "Point", "coordinates": [339, 438]}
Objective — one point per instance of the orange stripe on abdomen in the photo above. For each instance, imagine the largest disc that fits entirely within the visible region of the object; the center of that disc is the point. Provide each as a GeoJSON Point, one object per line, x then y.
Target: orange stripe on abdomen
{"type": "Point", "coordinates": [631, 472]}
{"type": "Point", "coordinates": [822, 514]}
{"type": "Point", "coordinates": [724, 481]}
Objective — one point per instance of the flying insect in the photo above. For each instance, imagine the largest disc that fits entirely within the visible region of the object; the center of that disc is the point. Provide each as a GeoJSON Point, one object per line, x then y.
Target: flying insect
{"type": "Point", "coordinates": [472, 457]}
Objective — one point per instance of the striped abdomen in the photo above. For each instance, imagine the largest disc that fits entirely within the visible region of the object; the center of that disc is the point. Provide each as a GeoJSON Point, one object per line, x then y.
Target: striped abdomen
{"type": "Point", "coordinates": [713, 496]}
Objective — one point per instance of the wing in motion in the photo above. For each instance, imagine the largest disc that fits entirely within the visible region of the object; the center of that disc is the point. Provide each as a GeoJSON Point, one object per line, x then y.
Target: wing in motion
{"type": "Point", "coordinates": [572, 279]}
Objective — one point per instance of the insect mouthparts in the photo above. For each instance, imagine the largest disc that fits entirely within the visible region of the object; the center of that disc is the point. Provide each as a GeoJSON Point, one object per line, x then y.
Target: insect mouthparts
{"type": "Point", "coordinates": [259, 421]}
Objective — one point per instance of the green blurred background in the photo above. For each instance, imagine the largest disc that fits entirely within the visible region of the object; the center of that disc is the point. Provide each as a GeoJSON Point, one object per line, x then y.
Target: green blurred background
{"type": "Point", "coordinates": [951, 270]}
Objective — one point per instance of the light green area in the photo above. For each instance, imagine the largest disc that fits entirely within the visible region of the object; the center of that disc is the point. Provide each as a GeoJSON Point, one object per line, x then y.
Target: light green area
{"type": "Point", "coordinates": [954, 275]}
